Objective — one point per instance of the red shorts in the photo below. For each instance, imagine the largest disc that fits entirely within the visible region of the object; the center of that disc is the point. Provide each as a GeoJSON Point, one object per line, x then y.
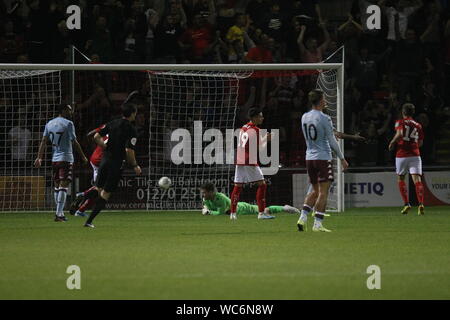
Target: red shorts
{"type": "Point", "coordinates": [319, 170]}
{"type": "Point", "coordinates": [62, 170]}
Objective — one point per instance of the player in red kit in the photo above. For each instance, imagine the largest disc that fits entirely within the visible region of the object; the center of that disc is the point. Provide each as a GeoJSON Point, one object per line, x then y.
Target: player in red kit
{"type": "Point", "coordinates": [247, 167]}
{"type": "Point", "coordinates": [408, 138]}
{"type": "Point", "coordinates": [80, 205]}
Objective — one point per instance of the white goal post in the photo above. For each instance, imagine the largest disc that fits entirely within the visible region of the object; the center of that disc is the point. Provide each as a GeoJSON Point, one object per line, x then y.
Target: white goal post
{"type": "Point", "coordinates": [335, 69]}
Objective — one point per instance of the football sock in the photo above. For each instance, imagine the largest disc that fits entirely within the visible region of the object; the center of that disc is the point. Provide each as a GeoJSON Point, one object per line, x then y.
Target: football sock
{"type": "Point", "coordinates": [55, 193]}
{"type": "Point", "coordinates": [86, 191]}
{"type": "Point", "coordinates": [235, 198]}
{"type": "Point", "coordinates": [99, 206]}
{"type": "Point", "coordinates": [261, 198]}
{"type": "Point", "coordinates": [62, 195]}
{"type": "Point", "coordinates": [318, 218]}
{"type": "Point", "coordinates": [305, 211]}
{"type": "Point", "coordinates": [419, 191]}
{"type": "Point", "coordinates": [86, 205]}
{"type": "Point", "coordinates": [403, 191]}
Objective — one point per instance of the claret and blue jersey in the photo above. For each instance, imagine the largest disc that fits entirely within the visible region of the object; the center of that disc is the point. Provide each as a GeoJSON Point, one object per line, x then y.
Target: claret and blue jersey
{"type": "Point", "coordinates": [319, 135]}
{"type": "Point", "coordinates": [61, 132]}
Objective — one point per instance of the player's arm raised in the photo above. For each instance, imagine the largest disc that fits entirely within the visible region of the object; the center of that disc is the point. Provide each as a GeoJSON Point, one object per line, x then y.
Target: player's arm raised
{"type": "Point", "coordinates": [99, 140]}
{"type": "Point", "coordinates": [300, 39]}
{"type": "Point", "coordinates": [91, 133]}
{"type": "Point", "coordinates": [42, 145]}
{"type": "Point", "coordinates": [99, 134]}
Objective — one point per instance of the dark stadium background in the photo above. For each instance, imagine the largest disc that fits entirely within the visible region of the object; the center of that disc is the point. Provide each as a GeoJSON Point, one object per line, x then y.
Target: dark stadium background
{"type": "Point", "coordinates": [381, 73]}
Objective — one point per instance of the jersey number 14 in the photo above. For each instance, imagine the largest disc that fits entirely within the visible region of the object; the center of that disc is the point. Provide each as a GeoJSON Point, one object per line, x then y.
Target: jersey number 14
{"type": "Point", "coordinates": [411, 134]}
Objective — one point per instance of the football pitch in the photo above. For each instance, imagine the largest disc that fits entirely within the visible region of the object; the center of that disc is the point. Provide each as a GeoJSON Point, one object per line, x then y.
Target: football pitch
{"type": "Point", "coordinates": [184, 255]}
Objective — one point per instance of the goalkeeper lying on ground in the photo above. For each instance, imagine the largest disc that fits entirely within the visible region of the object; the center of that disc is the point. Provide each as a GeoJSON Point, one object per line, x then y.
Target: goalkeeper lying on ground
{"type": "Point", "coordinates": [216, 203]}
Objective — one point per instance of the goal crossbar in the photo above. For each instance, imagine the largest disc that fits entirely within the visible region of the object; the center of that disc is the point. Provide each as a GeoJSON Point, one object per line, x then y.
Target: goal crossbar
{"type": "Point", "coordinates": [174, 67]}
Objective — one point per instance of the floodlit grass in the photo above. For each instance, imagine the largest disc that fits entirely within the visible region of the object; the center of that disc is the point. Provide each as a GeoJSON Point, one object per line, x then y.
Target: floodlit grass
{"type": "Point", "coordinates": [184, 255]}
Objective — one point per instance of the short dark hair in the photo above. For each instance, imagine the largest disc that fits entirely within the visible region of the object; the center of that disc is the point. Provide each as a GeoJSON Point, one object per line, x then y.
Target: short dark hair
{"type": "Point", "coordinates": [408, 109]}
{"type": "Point", "coordinates": [208, 186]}
{"type": "Point", "coordinates": [128, 109]}
{"type": "Point", "coordinates": [62, 107]}
{"type": "Point", "coordinates": [253, 112]}
{"type": "Point", "coordinates": [315, 96]}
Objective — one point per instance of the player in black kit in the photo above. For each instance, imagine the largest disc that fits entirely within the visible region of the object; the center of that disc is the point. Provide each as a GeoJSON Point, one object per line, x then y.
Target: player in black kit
{"type": "Point", "coordinates": [120, 146]}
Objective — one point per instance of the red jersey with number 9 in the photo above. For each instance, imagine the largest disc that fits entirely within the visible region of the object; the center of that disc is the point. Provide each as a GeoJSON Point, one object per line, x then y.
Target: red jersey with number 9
{"type": "Point", "coordinates": [97, 155]}
{"type": "Point", "coordinates": [412, 134]}
{"type": "Point", "coordinates": [248, 144]}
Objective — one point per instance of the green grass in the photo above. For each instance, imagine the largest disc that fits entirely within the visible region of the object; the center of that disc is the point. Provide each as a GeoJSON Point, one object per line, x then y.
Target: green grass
{"type": "Point", "coordinates": [184, 255]}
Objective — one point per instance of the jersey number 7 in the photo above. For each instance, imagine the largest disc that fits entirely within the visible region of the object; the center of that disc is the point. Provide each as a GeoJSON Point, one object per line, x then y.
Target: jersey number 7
{"type": "Point", "coordinates": [52, 137]}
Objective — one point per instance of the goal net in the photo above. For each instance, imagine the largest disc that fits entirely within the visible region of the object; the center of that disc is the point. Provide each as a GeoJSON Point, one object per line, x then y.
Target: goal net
{"type": "Point", "coordinates": [184, 106]}
{"type": "Point", "coordinates": [183, 113]}
{"type": "Point", "coordinates": [327, 82]}
{"type": "Point", "coordinates": [27, 100]}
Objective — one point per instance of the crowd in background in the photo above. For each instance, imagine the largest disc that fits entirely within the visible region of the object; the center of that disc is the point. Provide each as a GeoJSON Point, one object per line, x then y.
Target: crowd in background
{"type": "Point", "coordinates": [408, 59]}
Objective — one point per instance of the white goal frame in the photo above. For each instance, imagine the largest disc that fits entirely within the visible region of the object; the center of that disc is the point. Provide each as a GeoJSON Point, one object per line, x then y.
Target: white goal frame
{"type": "Point", "coordinates": [339, 67]}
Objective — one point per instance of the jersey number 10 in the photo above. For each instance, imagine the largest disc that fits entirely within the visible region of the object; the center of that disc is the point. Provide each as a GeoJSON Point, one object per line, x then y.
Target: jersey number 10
{"type": "Point", "coordinates": [310, 132]}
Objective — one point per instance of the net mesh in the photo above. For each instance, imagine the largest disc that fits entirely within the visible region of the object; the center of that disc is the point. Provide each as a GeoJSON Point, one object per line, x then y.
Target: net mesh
{"type": "Point", "coordinates": [167, 101]}
{"type": "Point", "coordinates": [194, 102]}
{"type": "Point", "coordinates": [27, 101]}
{"type": "Point", "coordinates": [327, 82]}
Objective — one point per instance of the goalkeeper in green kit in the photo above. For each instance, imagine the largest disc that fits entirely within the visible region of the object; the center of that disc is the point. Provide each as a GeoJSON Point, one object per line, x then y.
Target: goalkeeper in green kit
{"type": "Point", "coordinates": [216, 203]}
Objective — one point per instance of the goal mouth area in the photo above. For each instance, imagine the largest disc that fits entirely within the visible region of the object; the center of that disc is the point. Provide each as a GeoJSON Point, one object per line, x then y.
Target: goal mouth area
{"type": "Point", "coordinates": [218, 97]}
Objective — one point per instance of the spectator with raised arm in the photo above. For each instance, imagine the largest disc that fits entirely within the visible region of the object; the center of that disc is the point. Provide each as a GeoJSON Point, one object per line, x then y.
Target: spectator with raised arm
{"type": "Point", "coordinates": [197, 40]}
{"type": "Point", "coordinates": [311, 51]}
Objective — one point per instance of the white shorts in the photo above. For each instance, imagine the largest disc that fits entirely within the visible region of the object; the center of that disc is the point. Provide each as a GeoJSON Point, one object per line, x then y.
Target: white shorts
{"type": "Point", "coordinates": [413, 165]}
{"type": "Point", "coordinates": [247, 174]}
{"type": "Point", "coordinates": [95, 169]}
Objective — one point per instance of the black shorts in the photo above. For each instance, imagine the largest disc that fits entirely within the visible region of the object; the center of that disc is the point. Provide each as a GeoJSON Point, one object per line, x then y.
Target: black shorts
{"type": "Point", "coordinates": [109, 174]}
{"type": "Point", "coordinates": [319, 171]}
